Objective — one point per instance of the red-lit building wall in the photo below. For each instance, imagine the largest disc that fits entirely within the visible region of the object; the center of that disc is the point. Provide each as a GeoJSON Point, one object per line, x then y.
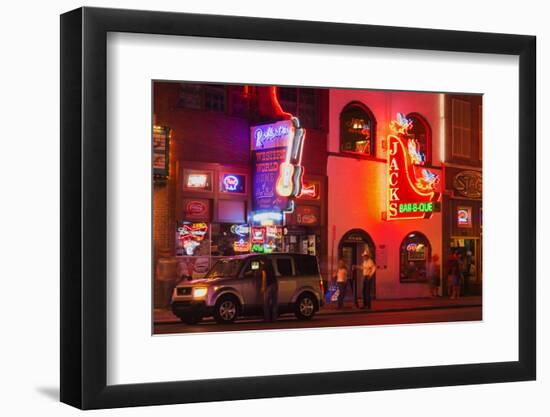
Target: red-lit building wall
{"type": "Point", "coordinates": [358, 186]}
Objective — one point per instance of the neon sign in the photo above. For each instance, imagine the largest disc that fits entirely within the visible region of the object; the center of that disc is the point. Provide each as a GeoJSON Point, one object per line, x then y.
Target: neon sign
{"type": "Point", "coordinates": [195, 231]}
{"type": "Point", "coordinates": [289, 182]}
{"type": "Point", "coordinates": [310, 190]}
{"type": "Point", "coordinates": [241, 245]}
{"type": "Point", "coordinates": [241, 230]}
{"type": "Point", "coordinates": [197, 180]}
{"type": "Point", "coordinates": [273, 135]}
{"type": "Point", "coordinates": [411, 189]}
{"type": "Point", "coordinates": [258, 235]}
{"type": "Point", "coordinates": [230, 182]}
{"type": "Point", "coordinates": [267, 216]}
{"type": "Point", "coordinates": [464, 216]}
{"type": "Point", "coordinates": [416, 252]}
{"type": "Point", "coordinates": [233, 183]}
{"type": "Point", "coordinates": [190, 235]}
{"type": "Point", "coordinates": [278, 173]}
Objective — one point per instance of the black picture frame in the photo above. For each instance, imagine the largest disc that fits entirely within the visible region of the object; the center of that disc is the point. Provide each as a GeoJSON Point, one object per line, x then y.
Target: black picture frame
{"type": "Point", "coordinates": [84, 207]}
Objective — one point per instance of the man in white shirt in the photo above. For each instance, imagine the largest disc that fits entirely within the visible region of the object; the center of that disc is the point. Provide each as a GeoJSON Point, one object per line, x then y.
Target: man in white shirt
{"type": "Point", "coordinates": [369, 269]}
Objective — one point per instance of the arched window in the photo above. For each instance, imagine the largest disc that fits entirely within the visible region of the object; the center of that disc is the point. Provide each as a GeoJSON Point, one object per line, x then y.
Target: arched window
{"type": "Point", "coordinates": [357, 129]}
{"type": "Point", "coordinates": [423, 134]}
{"type": "Point", "coordinates": [414, 254]}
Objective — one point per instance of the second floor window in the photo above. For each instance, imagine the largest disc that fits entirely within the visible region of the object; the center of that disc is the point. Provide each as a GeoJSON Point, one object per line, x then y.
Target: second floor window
{"type": "Point", "coordinates": [301, 102]}
{"type": "Point", "coordinates": [202, 97]}
{"type": "Point", "coordinates": [461, 128]}
{"type": "Point", "coordinates": [357, 129]}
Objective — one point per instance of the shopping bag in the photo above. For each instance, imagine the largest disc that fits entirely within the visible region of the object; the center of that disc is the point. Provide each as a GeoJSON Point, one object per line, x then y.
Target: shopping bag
{"type": "Point", "coordinates": [335, 294]}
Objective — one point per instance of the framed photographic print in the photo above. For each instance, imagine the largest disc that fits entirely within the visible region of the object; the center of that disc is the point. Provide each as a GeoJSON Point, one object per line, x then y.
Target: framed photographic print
{"type": "Point", "coordinates": [284, 189]}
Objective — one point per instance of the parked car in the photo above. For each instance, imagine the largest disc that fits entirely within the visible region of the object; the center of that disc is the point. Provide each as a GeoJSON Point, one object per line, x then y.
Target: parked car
{"type": "Point", "coordinates": [232, 288]}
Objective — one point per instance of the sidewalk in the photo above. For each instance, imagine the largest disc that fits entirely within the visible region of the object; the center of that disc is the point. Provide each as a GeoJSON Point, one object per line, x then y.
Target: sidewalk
{"type": "Point", "coordinates": [162, 316]}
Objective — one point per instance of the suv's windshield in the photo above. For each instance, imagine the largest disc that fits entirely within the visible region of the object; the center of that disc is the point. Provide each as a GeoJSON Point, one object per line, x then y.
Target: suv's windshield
{"type": "Point", "coordinates": [224, 268]}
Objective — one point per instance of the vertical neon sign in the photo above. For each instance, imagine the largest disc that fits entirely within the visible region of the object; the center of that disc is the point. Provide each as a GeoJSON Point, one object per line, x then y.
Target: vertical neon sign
{"type": "Point", "coordinates": [411, 189]}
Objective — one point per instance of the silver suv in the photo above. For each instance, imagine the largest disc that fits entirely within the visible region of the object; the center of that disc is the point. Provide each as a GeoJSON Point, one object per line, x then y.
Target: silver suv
{"type": "Point", "coordinates": [232, 288]}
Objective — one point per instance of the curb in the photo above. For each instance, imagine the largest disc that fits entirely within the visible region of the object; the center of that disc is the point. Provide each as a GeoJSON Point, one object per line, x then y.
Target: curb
{"type": "Point", "coordinates": [360, 311]}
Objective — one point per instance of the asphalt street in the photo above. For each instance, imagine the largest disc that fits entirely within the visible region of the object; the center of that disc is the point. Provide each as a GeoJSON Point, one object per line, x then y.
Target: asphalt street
{"type": "Point", "coordinates": [358, 318]}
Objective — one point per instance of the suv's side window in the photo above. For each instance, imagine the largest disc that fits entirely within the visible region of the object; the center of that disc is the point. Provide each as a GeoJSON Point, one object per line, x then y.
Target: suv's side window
{"type": "Point", "coordinates": [284, 266]}
{"type": "Point", "coordinates": [252, 269]}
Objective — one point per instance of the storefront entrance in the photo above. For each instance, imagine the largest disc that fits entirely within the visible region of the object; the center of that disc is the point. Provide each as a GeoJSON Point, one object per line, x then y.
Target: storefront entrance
{"type": "Point", "coordinates": [350, 249]}
{"type": "Point", "coordinates": [299, 239]}
{"type": "Point", "coordinates": [470, 259]}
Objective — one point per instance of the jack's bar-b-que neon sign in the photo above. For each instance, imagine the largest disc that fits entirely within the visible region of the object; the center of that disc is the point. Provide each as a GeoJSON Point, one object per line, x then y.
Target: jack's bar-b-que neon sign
{"type": "Point", "coordinates": [411, 188]}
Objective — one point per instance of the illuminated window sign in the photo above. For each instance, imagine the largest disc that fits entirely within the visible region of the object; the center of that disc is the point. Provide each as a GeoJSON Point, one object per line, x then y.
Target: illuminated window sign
{"type": "Point", "coordinates": [241, 245]}
{"type": "Point", "coordinates": [190, 236]}
{"type": "Point", "coordinates": [240, 230]}
{"type": "Point", "coordinates": [464, 216]}
{"type": "Point", "coordinates": [198, 180]}
{"type": "Point", "coordinates": [258, 235]}
{"type": "Point", "coordinates": [416, 252]}
{"type": "Point", "coordinates": [196, 209]}
{"type": "Point", "coordinates": [233, 183]}
{"type": "Point", "coordinates": [267, 217]}
{"type": "Point", "coordinates": [411, 188]}
{"type": "Point", "coordinates": [311, 190]}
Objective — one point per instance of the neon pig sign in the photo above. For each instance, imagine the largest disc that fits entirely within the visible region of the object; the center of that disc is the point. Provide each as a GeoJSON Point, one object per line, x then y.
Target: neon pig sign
{"type": "Point", "coordinates": [411, 189]}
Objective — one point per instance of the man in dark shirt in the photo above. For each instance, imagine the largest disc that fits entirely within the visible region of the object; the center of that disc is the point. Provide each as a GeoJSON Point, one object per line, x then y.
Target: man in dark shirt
{"type": "Point", "coordinates": [269, 289]}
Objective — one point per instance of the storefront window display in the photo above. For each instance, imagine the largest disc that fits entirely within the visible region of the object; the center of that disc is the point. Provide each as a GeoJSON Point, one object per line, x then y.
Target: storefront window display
{"type": "Point", "coordinates": [230, 239]}
{"type": "Point", "coordinates": [193, 249]}
{"type": "Point", "coordinates": [415, 253]}
{"type": "Point", "coordinates": [267, 239]}
{"type": "Point", "coordinates": [303, 240]}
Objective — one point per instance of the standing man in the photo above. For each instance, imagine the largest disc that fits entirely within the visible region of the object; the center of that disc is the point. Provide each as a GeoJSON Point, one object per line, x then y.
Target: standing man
{"type": "Point", "coordinates": [369, 269]}
{"type": "Point", "coordinates": [270, 290]}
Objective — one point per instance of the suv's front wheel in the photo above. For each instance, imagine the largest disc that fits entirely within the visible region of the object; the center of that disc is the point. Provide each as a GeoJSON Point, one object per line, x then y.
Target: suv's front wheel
{"type": "Point", "coordinates": [226, 309]}
{"type": "Point", "coordinates": [305, 307]}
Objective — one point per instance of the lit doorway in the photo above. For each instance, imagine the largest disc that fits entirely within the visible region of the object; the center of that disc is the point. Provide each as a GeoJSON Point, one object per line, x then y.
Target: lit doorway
{"type": "Point", "coordinates": [350, 249]}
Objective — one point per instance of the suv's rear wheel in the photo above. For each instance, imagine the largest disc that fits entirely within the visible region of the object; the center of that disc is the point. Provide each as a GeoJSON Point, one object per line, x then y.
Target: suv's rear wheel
{"type": "Point", "coordinates": [226, 309]}
{"type": "Point", "coordinates": [305, 307]}
{"type": "Point", "coordinates": [190, 318]}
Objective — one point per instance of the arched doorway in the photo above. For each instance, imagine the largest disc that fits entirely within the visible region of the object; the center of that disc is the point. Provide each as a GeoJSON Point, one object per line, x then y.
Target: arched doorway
{"type": "Point", "coordinates": [350, 249]}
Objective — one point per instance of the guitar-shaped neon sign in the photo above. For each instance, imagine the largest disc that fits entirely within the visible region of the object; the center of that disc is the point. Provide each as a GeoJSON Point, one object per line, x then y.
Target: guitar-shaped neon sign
{"type": "Point", "coordinates": [289, 182]}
